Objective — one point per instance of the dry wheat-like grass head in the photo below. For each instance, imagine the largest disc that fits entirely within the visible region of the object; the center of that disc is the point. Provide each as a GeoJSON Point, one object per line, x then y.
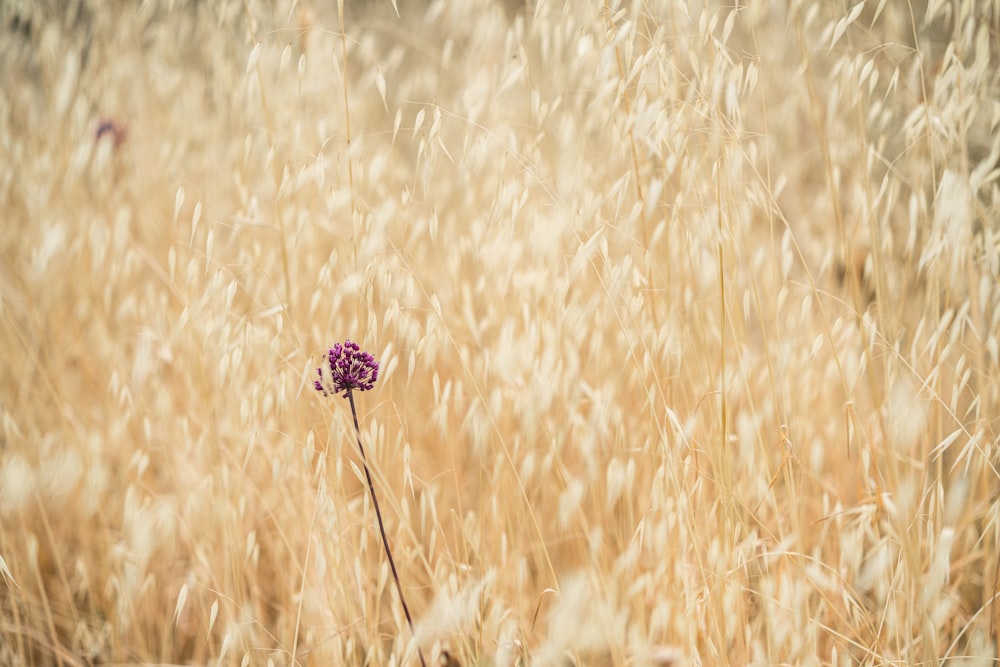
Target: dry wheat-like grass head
{"type": "Point", "coordinates": [687, 321]}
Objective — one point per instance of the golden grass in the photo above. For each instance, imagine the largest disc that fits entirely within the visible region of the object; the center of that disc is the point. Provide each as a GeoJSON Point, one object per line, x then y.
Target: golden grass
{"type": "Point", "coordinates": [688, 323]}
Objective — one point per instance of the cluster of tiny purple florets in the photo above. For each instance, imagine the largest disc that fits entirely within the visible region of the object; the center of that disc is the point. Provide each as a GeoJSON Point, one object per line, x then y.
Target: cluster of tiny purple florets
{"type": "Point", "coordinates": [348, 368]}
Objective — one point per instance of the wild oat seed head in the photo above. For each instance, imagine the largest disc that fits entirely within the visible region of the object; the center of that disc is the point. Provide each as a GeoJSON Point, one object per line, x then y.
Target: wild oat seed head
{"type": "Point", "coordinates": [349, 368]}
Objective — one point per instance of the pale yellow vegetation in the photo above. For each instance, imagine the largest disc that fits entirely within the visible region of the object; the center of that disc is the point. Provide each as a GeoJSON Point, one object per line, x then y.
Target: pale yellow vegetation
{"type": "Point", "coordinates": [687, 319]}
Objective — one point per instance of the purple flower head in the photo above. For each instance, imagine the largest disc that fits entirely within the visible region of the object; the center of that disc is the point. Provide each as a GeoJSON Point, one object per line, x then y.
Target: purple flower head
{"type": "Point", "coordinates": [115, 130]}
{"type": "Point", "coordinates": [347, 368]}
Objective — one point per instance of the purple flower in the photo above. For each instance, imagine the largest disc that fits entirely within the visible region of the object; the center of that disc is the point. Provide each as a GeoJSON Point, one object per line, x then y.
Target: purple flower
{"type": "Point", "coordinates": [347, 368]}
{"type": "Point", "coordinates": [114, 129]}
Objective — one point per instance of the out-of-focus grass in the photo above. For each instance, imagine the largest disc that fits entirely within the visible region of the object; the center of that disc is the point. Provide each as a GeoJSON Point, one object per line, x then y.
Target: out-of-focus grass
{"type": "Point", "coordinates": [687, 318]}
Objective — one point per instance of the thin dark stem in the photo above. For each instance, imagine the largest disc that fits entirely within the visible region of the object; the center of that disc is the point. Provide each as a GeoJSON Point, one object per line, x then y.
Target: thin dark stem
{"type": "Point", "coordinates": [381, 526]}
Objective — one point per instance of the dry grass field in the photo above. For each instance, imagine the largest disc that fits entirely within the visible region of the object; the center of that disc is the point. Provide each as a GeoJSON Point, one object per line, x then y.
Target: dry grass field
{"type": "Point", "coordinates": [688, 317]}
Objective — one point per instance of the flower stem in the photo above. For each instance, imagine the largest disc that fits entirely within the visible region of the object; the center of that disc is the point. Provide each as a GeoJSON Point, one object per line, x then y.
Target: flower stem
{"type": "Point", "coordinates": [381, 526]}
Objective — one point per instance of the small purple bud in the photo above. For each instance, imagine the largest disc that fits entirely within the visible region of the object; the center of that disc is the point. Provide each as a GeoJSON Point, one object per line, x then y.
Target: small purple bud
{"type": "Point", "coordinates": [115, 130]}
